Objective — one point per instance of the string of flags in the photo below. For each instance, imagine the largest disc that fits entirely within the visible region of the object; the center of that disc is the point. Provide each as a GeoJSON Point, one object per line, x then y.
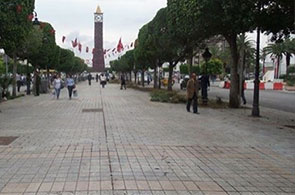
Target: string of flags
{"type": "Point", "coordinates": [108, 53]}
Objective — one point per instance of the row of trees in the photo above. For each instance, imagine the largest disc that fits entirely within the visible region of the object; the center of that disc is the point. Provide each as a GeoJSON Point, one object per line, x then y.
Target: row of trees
{"type": "Point", "coordinates": [181, 30]}
{"type": "Point", "coordinates": [36, 43]}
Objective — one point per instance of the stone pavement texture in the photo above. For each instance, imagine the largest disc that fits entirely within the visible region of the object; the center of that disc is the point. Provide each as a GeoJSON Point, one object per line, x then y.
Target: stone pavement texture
{"type": "Point", "coordinates": [112, 142]}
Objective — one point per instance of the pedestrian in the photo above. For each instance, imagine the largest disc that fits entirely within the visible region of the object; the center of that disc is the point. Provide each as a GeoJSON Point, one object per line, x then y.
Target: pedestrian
{"type": "Point", "coordinates": [243, 89]}
{"type": "Point", "coordinates": [97, 77]}
{"type": "Point", "coordinates": [205, 83]}
{"type": "Point", "coordinates": [123, 82]}
{"type": "Point", "coordinates": [71, 85]}
{"type": "Point", "coordinates": [57, 84]}
{"type": "Point", "coordinates": [103, 80]}
{"type": "Point", "coordinates": [192, 93]}
{"type": "Point", "coordinates": [18, 82]}
{"type": "Point", "coordinates": [89, 79]}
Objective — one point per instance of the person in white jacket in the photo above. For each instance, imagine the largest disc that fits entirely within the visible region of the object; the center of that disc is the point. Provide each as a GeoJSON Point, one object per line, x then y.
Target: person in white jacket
{"type": "Point", "coordinates": [57, 84]}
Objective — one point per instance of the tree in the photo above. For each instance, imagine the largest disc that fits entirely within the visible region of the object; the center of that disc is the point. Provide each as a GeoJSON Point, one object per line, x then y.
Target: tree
{"type": "Point", "coordinates": [2, 67]}
{"type": "Point", "coordinates": [184, 29]}
{"type": "Point", "coordinates": [213, 67]}
{"type": "Point", "coordinates": [228, 18]}
{"type": "Point", "coordinates": [277, 50]}
{"type": "Point", "coordinates": [289, 51]}
{"type": "Point", "coordinates": [15, 27]}
{"type": "Point", "coordinates": [144, 56]}
{"type": "Point", "coordinates": [66, 61]}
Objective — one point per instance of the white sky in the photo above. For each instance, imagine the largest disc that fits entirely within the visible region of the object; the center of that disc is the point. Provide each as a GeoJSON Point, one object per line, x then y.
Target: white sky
{"type": "Point", "coordinates": [75, 18]}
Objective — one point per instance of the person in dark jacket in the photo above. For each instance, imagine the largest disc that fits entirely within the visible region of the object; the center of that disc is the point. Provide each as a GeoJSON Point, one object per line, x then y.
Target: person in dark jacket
{"type": "Point", "coordinates": [192, 93]}
{"type": "Point", "coordinates": [89, 78]}
{"type": "Point", "coordinates": [123, 82]}
{"type": "Point", "coordinates": [97, 77]}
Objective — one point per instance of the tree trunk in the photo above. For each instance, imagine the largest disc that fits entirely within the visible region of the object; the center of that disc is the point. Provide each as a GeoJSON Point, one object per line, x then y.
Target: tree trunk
{"type": "Point", "coordinates": [160, 76]}
{"type": "Point", "coordinates": [14, 75]}
{"type": "Point", "coordinates": [190, 64]}
{"type": "Point", "coordinates": [288, 59]}
{"type": "Point", "coordinates": [278, 67]}
{"type": "Point", "coordinates": [155, 77]}
{"type": "Point", "coordinates": [48, 80]}
{"type": "Point", "coordinates": [34, 82]}
{"type": "Point", "coordinates": [142, 78]}
{"type": "Point", "coordinates": [234, 99]}
{"type": "Point", "coordinates": [170, 84]}
{"type": "Point", "coordinates": [130, 74]}
{"type": "Point", "coordinates": [135, 77]}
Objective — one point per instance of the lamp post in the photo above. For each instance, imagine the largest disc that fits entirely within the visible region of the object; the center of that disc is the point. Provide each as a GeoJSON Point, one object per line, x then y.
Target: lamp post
{"type": "Point", "coordinates": [205, 83]}
{"type": "Point", "coordinates": [207, 56]}
{"type": "Point", "coordinates": [36, 21]}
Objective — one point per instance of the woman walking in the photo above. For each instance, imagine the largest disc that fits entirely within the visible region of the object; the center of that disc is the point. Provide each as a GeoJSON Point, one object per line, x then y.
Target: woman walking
{"type": "Point", "coordinates": [57, 86]}
{"type": "Point", "coordinates": [71, 85]}
{"type": "Point", "coordinates": [103, 80]}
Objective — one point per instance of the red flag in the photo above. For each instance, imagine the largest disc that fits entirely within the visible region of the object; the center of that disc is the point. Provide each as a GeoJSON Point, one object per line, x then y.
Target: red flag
{"type": "Point", "coordinates": [30, 17]}
{"type": "Point", "coordinates": [74, 43]}
{"type": "Point", "coordinates": [19, 8]}
{"type": "Point", "coordinates": [87, 49]}
{"type": "Point", "coordinates": [52, 31]}
{"type": "Point", "coordinates": [63, 39]}
{"type": "Point", "coordinates": [120, 46]}
{"type": "Point", "coordinates": [80, 47]}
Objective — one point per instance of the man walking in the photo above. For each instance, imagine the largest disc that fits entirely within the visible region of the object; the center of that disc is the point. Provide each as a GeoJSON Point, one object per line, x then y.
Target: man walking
{"type": "Point", "coordinates": [123, 82]}
{"type": "Point", "coordinates": [192, 93]}
{"type": "Point", "coordinates": [89, 78]}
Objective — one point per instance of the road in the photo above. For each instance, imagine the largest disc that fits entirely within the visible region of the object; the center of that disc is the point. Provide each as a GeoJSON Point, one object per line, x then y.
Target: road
{"type": "Point", "coordinates": [280, 100]}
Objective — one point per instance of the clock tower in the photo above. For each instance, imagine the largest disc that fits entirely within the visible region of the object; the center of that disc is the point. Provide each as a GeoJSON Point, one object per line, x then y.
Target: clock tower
{"type": "Point", "coordinates": [98, 53]}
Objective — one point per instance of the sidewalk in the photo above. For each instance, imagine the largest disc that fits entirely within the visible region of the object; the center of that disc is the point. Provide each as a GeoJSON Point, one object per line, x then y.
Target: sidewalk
{"type": "Point", "coordinates": [114, 142]}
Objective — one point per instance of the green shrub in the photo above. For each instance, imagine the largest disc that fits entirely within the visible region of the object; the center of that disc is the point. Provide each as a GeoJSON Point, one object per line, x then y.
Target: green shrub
{"type": "Point", "coordinates": [167, 97]}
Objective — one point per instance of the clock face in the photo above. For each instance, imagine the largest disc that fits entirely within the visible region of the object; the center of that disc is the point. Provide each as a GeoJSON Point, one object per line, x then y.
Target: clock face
{"type": "Point", "coordinates": [98, 18]}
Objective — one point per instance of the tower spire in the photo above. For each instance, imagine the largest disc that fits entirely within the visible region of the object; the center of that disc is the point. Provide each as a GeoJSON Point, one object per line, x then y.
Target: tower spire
{"type": "Point", "coordinates": [98, 10]}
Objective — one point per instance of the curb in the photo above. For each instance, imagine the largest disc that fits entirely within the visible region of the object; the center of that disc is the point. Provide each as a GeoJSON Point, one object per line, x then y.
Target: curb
{"type": "Point", "coordinates": [262, 86]}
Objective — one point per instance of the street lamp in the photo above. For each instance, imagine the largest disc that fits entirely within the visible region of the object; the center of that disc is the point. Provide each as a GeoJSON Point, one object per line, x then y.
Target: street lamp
{"type": "Point", "coordinates": [205, 83]}
{"type": "Point", "coordinates": [207, 56]}
{"type": "Point", "coordinates": [36, 21]}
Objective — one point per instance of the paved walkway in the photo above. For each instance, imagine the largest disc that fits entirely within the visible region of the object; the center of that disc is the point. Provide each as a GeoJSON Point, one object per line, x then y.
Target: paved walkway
{"type": "Point", "coordinates": [113, 142]}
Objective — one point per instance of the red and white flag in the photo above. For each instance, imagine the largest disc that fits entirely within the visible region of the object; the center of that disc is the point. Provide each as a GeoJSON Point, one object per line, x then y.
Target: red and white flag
{"type": "Point", "coordinates": [80, 47]}
{"type": "Point", "coordinates": [74, 43]}
{"type": "Point", "coordinates": [120, 46]}
{"type": "Point", "coordinates": [63, 39]}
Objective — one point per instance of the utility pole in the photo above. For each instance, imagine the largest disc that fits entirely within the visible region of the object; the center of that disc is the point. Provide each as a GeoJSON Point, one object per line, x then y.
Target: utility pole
{"type": "Point", "coordinates": [255, 109]}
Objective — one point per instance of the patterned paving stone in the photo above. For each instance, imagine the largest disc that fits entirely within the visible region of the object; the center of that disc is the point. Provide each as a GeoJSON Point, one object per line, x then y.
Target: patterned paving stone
{"type": "Point", "coordinates": [135, 146]}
